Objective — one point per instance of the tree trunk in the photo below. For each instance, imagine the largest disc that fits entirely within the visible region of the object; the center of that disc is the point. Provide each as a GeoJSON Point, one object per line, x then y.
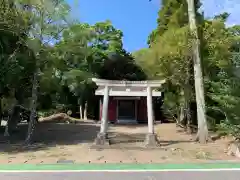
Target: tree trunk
{"type": "Point", "coordinates": [202, 134]}
{"type": "Point", "coordinates": [181, 117]}
{"type": "Point", "coordinates": [1, 113]}
{"type": "Point", "coordinates": [32, 121]}
{"type": "Point", "coordinates": [6, 130]}
{"type": "Point", "coordinates": [187, 99]}
{"type": "Point", "coordinates": [0, 108]}
{"type": "Point", "coordinates": [11, 117]}
{"type": "Point", "coordinates": [85, 110]}
{"type": "Point", "coordinates": [80, 108]}
{"type": "Point", "coordinates": [80, 112]}
{"type": "Point", "coordinates": [185, 113]}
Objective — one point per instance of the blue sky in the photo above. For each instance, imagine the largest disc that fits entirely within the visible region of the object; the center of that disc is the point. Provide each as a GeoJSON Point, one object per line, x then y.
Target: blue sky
{"type": "Point", "coordinates": [137, 18]}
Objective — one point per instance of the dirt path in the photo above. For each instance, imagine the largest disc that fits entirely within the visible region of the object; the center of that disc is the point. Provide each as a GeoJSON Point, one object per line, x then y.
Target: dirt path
{"type": "Point", "coordinates": [72, 142]}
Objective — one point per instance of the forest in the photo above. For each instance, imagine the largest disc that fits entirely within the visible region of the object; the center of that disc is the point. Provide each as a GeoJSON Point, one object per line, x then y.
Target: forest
{"type": "Point", "coordinates": [48, 58]}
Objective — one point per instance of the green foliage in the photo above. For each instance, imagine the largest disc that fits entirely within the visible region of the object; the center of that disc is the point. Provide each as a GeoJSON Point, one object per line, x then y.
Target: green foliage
{"type": "Point", "coordinates": [14, 60]}
{"type": "Point", "coordinates": [65, 54]}
{"type": "Point", "coordinates": [221, 81]}
{"type": "Point", "coordinates": [172, 14]}
{"type": "Point", "coordinates": [169, 57]}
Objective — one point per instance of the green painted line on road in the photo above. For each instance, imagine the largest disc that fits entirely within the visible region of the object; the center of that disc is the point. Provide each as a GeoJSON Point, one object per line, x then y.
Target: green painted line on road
{"type": "Point", "coordinates": [59, 167]}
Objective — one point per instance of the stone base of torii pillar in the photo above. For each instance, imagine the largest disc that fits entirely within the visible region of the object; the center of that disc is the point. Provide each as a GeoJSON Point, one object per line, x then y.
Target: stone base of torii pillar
{"type": "Point", "coordinates": [151, 140]}
{"type": "Point", "coordinates": [102, 139]}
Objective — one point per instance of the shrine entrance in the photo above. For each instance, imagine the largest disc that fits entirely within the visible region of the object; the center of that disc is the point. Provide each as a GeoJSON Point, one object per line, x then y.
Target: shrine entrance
{"type": "Point", "coordinates": [127, 101]}
{"type": "Point", "coordinates": [126, 111]}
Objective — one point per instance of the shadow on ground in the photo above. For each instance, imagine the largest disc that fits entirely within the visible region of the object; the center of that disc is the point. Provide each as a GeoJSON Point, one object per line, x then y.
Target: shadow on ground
{"type": "Point", "coordinates": [49, 135]}
{"type": "Point", "coordinates": [124, 138]}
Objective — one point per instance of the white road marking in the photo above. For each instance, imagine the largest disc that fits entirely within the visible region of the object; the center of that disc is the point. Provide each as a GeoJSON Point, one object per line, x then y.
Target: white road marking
{"type": "Point", "coordinates": [124, 171]}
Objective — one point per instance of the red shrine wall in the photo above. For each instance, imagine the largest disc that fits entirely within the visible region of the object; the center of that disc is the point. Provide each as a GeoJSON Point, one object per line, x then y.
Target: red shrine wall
{"type": "Point", "coordinates": [112, 109]}
{"type": "Point", "coordinates": [142, 110]}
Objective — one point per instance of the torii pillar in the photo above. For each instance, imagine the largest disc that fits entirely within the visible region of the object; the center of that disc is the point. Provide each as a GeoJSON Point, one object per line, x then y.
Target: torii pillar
{"type": "Point", "coordinates": [101, 138]}
{"type": "Point", "coordinates": [151, 137]}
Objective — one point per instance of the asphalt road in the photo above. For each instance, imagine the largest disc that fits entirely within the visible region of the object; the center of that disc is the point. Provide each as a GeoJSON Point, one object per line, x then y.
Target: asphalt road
{"type": "Point", "coordinates": [161, 175]}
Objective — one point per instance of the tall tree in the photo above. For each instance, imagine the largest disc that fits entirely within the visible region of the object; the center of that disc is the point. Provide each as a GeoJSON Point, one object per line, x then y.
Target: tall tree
{"type": "Point", "coordinates": [84, 50]}
{"type": "Point", "coordinates": [202, 134]}
{"type": "Point", "coordinates": [48, 19]}
{"type": "Point", "coordinates": [173, 16]}
{"type": "Point", "coordinates": [173, 13]}
{"type": "Point", "coordinates": [15, 57]}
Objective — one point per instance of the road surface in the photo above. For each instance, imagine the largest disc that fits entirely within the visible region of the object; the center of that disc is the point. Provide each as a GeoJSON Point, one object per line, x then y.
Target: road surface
{"type": "Point", "coordinates": [233, 174]}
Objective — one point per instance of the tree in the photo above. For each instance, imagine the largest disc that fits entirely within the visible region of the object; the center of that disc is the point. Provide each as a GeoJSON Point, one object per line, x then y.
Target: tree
{"type": "Point", "coordinates": [202, 134]}
{"type": "Point", "coordinates": [220, 64]}
{"type": "Point", "coordinates": [83, 51]}
{"type": "Point", "coordinates": [170, 58]}
{"type": "Point", "coordinates": [16, 67]}
{"type": "Point", "coordinates": [121, 66]}
{"type": "Point", "coordinates": [221, 74]}
{"type": "Point", "coordinates": [48, 19]}
{"type": "Point", "coordinates": [173, 14]}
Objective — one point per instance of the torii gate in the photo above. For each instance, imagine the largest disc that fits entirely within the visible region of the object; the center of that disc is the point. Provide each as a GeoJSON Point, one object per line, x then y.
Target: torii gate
{"type": "Point", "coordinates": [127, 88]}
